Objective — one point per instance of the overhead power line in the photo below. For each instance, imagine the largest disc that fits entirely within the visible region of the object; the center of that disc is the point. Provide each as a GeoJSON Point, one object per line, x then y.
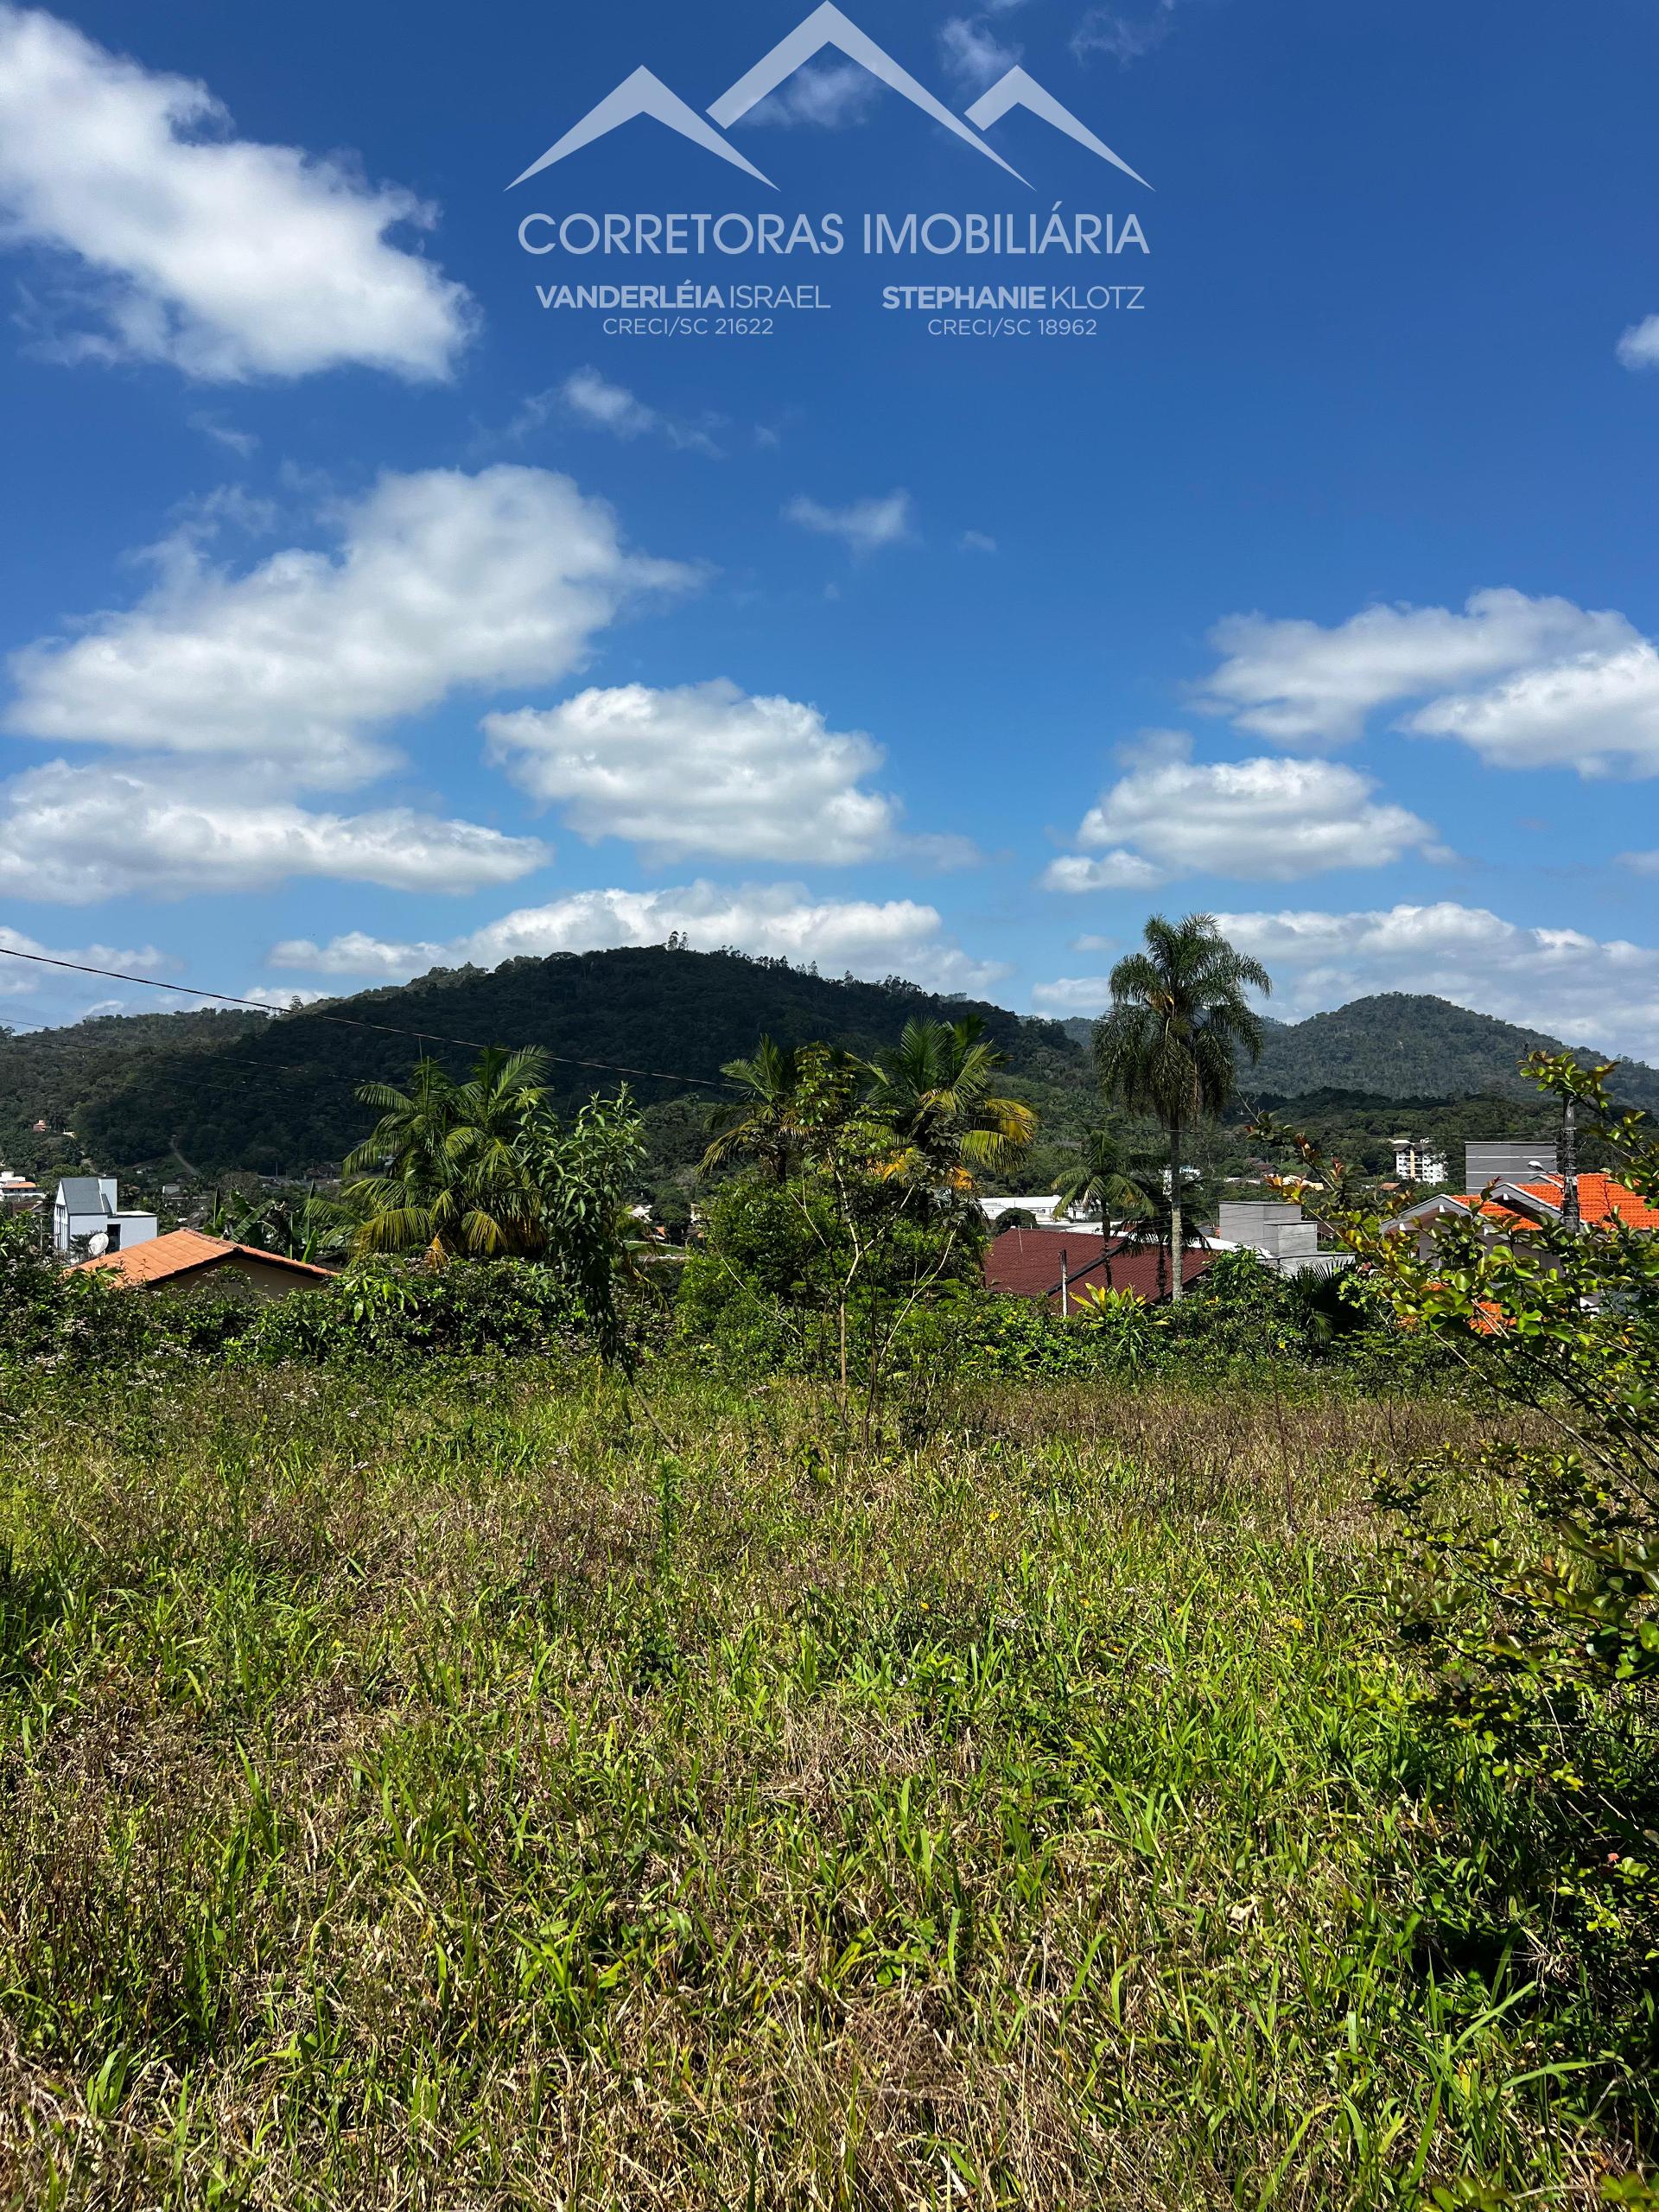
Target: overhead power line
{"type": "Point", "coordinates": [353, 1021]}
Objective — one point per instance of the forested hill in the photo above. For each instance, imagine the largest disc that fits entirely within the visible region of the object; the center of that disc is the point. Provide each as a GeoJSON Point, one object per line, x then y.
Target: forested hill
{"type": "Point", "coordinates": [280, 1098]}
{"type": "Point", "coordinates": [1407, 1045]}
{"type": "Point", "coordinates": [235, 1089]}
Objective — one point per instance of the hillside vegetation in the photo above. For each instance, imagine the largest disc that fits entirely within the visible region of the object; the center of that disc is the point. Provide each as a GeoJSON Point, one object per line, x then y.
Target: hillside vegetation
{"type": "Point", "coordinates": [236, 1089]}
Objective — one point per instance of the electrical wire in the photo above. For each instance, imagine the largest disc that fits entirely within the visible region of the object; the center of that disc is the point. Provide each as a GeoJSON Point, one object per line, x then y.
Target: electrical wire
{"type": "Point", "coordinates": [352, 1022]}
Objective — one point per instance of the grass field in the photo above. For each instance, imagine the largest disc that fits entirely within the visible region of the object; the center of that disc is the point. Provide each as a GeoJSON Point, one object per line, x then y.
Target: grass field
{"type": "Point", "coordinates": [441, 1795]}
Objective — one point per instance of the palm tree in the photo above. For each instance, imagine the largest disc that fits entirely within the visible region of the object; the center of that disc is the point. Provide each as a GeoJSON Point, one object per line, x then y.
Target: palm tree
{"type": "Point", "coordinates": [1168, 1045]}
{"type": "Point", "coordinates": [762, 1122]}
{"type": "Point", "coordinates": [934, 1091]}
{"type": "Point", "coordinates": [1107, 1179]}
{"type": "Point", "coordinates": [443, 1170]}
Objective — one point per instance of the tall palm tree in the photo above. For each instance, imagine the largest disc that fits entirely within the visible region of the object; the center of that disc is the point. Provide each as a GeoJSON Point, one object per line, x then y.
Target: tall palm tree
{"type": "Point", "coordinates": [763, 1121]}
{"type": "Point", "coordinates": [443, 1170]}
{"type": "Point", "coordinates": [934, 1089]}
{"type": "Point", "coordinates": [1169, 1044]}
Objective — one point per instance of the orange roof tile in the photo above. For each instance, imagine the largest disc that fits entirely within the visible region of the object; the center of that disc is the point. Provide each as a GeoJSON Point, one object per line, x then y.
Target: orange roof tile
{"type": "Point", "coordinates": [182, 1251]}
{"type": "Point", "coordinates": [1600, 1199]}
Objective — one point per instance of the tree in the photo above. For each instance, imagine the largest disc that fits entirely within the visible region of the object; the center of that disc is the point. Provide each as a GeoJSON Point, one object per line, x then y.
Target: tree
{"type": "Point", "coordinates": [934, 1089]}
{"type": "Point", "coordinates": [1108, 1179]}
{"type": "Point", "coordinates": [444, 1169]}
{"type": "Point", "coordinates": [1529, 1583]}
{"type": "Point", "coordinates": [1168, 1044]}
{"type": "Point", "coordinates": [763, 1124]}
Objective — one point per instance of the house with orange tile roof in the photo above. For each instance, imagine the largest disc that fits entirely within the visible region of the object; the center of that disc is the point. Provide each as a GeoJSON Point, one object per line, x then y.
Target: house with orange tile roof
{"type": "Point", "coordinates": [1508, 1204]}
{"type": "Point", "coordinates": [186, 1257]}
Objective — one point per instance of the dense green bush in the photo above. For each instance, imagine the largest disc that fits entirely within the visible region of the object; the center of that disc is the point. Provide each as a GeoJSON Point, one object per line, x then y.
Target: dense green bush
{"type": "Point", "coordinates": [392, 1311]}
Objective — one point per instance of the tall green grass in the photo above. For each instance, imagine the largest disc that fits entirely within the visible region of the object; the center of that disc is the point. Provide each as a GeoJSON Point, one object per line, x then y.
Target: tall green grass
{"type": "Point", "coordinates": [470, 1792]}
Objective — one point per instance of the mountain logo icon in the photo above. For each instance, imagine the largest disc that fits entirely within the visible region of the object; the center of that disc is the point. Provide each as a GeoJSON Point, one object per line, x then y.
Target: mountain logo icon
{"type": "Point", "coordinates": [644, 94]}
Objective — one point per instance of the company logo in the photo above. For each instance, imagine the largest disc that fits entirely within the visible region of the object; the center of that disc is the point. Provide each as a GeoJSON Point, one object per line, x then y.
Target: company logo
{"type": "Point", "coordinates": [645, 94]}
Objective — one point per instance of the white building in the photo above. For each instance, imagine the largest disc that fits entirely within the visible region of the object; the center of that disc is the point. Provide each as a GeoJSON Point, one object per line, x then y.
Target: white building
{"type": "Point", "coordinates": [87, 1220]}
{"type": "Point", "coordinates": [1415, 1162]}
{"type": "Point", "coordinates": [1279, 1234]}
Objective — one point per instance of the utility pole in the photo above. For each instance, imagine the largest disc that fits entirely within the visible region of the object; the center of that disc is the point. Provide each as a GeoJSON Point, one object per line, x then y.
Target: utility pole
{"type": "Point", "coordinates": [1065, 1285]}
{"type": "Point", "coordinates": [1570, 1220]}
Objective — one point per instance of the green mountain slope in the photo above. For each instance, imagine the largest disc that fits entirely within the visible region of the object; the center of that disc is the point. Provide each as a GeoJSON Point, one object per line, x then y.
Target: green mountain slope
{"type": "Point", "coordinates": [225, 1091]}
{"type": "Point", "coordinates": [280, 1099]}
{"type": "Point", "coordinates": [1407, 1046]}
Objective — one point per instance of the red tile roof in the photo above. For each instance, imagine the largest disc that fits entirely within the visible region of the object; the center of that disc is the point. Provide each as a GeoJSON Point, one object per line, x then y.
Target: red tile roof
{"type": "Point", "coordinates": [1027, 1263]}
{"type": "Point", "coordinates": [183, 1251]}
{"type": "Point", "coordinates": [1600, 1199]}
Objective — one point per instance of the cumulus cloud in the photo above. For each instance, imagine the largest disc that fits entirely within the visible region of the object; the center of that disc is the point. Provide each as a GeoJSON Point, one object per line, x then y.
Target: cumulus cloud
{"type": "Point", "coordinates": [702, 769]}
{"type": "Point", "coordinates": [1526, 683]}
{"type": "Point", "coordinates": [1267, 820]}
{"type": "Point", "coordinates": [227, 259]}
{"type": "Point", "coordinates": [865, 526]}
{"type": "Point", "coordinates": [76, 835]}
{"type": "Point", "coordinates": [21, 976]}
{"type": "Point", "coordinates": [442, 582]}
{"type": "Point", "coordinates": [1597, 713]}
{"type": "Point", "coordinates": [865, 937]}
{"type": "Point", "coordinates": [1600, 992]}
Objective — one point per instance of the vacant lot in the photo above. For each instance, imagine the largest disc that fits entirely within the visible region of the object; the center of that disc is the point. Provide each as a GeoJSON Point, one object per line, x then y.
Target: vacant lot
{"type": "Point", "coordinates": [446, 1793]}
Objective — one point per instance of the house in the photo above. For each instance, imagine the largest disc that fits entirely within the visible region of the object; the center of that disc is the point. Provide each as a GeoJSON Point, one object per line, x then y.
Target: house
{"type": "Point", "coordinates": [88, 1208]}
{"type": "Point", "coordinates": [18, 1194]}
{"type": "Point", "coordinates": [186, 1257]}
{"type": "Point", "coordinates": [1508, 1204]}
{"type": "Point", "coordinates": [1056, 1266]}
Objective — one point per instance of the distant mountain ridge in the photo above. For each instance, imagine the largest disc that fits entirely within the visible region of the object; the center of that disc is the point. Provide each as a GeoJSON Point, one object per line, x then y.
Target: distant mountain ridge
{"type": "Point", "coordinates": [1409, 1045]}
{"type": "Point", "coordinates": [241, 1090]}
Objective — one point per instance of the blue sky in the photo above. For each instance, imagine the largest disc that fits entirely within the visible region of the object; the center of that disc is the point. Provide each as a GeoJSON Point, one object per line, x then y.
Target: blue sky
{"type": "Point", "coordinates": [362, 615]}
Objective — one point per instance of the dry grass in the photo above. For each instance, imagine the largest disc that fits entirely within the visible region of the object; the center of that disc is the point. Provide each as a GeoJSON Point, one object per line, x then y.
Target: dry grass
{"type": "Point", "coordinates": [439, 1795]}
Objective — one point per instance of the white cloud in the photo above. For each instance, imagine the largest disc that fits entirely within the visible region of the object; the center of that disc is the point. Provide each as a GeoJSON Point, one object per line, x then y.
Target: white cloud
{"type": "Point", "coordinates": [1265, 820]}
{"type": "Point", "coordinates": [779, 920]}
{"type": "Point", "coordinates": [1116, 871]}
{"type": "Point", "coordinates": [864, 527]}
{"type": "Point", "coordinates": [1597, 713]}
{"type": "Point", "coordinates": [1072, 994]}
{"type": "Point", "coordinates": [228, 259]}
{"type": "Point", "coordinates": [602, 406]}
{"type": "Point", "coordinates": [972, 53]}
{"type": "Point", "coordinates": [702, 769]}
{"type": "Point", "coordinates": [442, 582]}
{"type": "Point", "coordinates": [977, 541]}
{"type": "Point", "coordinates": [21, 977]}
{"type": "Point", "coordinates": [1297, 683]}
{"type": "Point", "coordinates": [1604, 994]}
{"type": "Point", "coordinates": [824, 96]}
{"type": "Point", "coordinates": [76, 835]}
{"type": "Point", "coordinates": [282, 1000]}
{"type": "Point", "coordinates": [1639, 348]}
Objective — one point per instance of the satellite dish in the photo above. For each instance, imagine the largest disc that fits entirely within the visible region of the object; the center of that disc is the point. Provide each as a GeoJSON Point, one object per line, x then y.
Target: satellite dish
{"type": "Point", "coordinates": [98, 1245]}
